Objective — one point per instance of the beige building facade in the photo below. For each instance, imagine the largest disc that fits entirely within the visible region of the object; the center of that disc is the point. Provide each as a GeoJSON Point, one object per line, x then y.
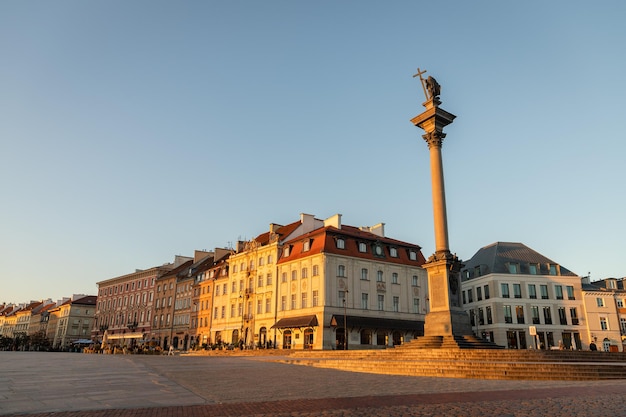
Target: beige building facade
{"type": "Point", "coordinates": [521, 299]}
{"type": "Point", "coordinates": [605, 313]}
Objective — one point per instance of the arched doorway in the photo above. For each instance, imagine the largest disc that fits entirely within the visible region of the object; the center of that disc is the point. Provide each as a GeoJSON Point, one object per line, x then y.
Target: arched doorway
{"type": "Point", "coordinates": [287, 339]}
{"type": "Point", "coordinates": [340, 339]}
{"type": "Point", "coordinates": [175, 342]}
{"type": "Point", "coordinates": [235, 337]}
{"type": "Point", "coordinates": [263, 337]}
{"type": "Point", "coordinates": [366, 337]}
{"type": "Point", "coordinates": [397, 338]}
{"type": "Point", "coordinates": [308, 338]}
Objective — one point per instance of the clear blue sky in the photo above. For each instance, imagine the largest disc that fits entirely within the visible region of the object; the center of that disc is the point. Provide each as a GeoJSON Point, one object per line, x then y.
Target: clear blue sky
{"type": "Point", "coordinates": [134, 131]}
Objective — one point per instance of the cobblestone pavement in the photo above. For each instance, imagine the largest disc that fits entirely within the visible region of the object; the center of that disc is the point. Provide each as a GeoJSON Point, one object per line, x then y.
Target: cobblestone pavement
{"type": "Point", "coordinates": [72, 385]}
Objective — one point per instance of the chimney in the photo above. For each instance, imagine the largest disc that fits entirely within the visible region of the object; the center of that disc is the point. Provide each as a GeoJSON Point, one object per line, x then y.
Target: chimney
{"type": "Point", "coordinates": [308, 222]}
{"type": "Point", "coordinates": [334, 221]}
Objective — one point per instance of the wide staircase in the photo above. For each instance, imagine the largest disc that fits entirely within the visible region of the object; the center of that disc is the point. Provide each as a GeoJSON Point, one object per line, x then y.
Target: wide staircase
{"type": "Point", "coordinates": [452, 359]}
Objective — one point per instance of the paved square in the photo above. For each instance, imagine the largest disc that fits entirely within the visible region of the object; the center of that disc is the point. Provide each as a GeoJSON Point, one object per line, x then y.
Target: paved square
{"type": "Point", "coordinates": [73, 384]}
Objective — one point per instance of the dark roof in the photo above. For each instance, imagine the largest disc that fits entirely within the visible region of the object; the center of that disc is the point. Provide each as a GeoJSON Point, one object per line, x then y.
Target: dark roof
{"type": "Point", "coordinates": [296, 322]}
{"type": "Point", "coordinates": [494, 259]}
{"type": "Point", "coordinates": [378, 323]}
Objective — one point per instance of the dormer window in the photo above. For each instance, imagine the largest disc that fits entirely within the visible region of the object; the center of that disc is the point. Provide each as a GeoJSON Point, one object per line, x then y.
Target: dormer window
{"type": "Point", "coordinates": [378, 250]}
{"type": "Point", "coordinates": [413, 255]}
{"type": "Point", "coordinates": [362, 247]}
{"type": "Point", "coordinates": [393, 252]}
{"type": "Point", "coordinates": [341, 244]}
{"type": "Point", "coordinates": [286, 253]}
{"type": "Point", "coordinates": [306, 246]}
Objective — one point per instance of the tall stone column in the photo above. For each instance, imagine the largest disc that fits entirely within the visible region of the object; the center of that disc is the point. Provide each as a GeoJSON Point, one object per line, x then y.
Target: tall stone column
{"type": "Point", "coordinates": [446, 316]}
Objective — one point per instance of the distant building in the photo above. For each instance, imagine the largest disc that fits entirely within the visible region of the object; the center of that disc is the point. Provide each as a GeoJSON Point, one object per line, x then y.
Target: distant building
{"type": "Point", "coordinates": [605, 313]}
{"type": "Point", "coordinates": [125, 305]}
{"type": "Point", "coordinates": [73, 319]}
{"type": "Point", "coordinates": [511, 291]}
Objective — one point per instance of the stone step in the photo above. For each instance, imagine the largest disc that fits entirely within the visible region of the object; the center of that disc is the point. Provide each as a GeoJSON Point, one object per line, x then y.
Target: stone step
{"type": "Point", "coordinates": [467, 369]}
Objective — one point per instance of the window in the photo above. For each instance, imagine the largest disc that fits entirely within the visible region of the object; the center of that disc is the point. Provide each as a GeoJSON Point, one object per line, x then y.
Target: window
{"type": "Point", "coordinates": [396, 304]}
{"type": "Point", "coordinates": [505, 290]}
{"type": "Point", "coordinates": [414, 281]}
{"type": "Point", "coordinates": [293, 301]}
{"type": "Point", "coordinates": [489, 315]}
{"type": "Point", "coordinates": [486, 288]}
{"type": "Point", "coordinates": [259, 306]}
{"type": "Point", "coordinates": [294, 275]}
{"type": "Point", "coordinates": [553, 270]}
{"type": "Point", "coordinates": [413, 255]}
{"type": "Point", "coordinates": [470, 296]}
{"type": "Point", "coordinates": [381, 302]}
{"type": "Point", "coordinates": [234, 287]}
{"type": "Point", "coordinates": [558, 290]}
{"type": "Point", "coordinates": [217, 290]}
{"type": "Point", "coordinates": [316, 270]}
{"type": "Point", "coordinates": [562, 316]}
{"type": "Point", "coordinates": [416, 305]}
{"type": "Point", "coordinates": [622, 324]}
{"type": "Point", "coordinates": [232, 310]}
{"type": "Point", "coordinates": [261, 261]}
{"type": "Point", "coordinates": [600, 302]}
{"type": "Point", "coordinates": [286, 251]}
{"type": "Point", "coordinates": [225, 289]}
{"type": "Point", "coordinates": [303, 300]}
{"type": "Point", "coordinates": [341, 271]}
{"type": "Point", "coordinates": [306, 246]}
{"type": "Point", "coordinates": [283, 302]}
{"type": "Point", "coordinates": [620, 303]}
{"type": "Point", "coordinates": [394, 278]}
{"type": "Point", "coordinates": [544, 292]}
{"type": "Point", "coordinates": [508, 318]}
{"type": "Point", "coordinates": [305, 272]}
{"type": "Point", "coordinates": [604, 325]}
{"type": "Point", "coordinates": [393, 252]}
{"type": "Point", "coordinates": [532, 291]}
{"type": "Point", "coordinates": [519, 313]}
{"type": "Point", "coordinates": [362, 247]}
{"type": "Point", "coordinates": [379, 276]}
{"type": "Point", "coordinates": [341, 298]}
{"type": "Point", "coordinates": [517, 291]}
{"type": "Point", "coordinates": [514, 268]}
{"type": "Point", "coordinates": [464, 297]}
{"type": "Point", "coordinates": [573, 314]}
{"type": "Point", "coordinates": [341, 244]}
{"type": "Point", "coordinates": [570, 292]}
{"type": "Point", "coordinates": [270, 259]}
{"type": "Point", "coordinates": [479, 293]}
{"type": "Point", "coordinates": [283, 277]}
{"type": "Point", "coordinates": [364, 274]}
{"type": "Point", "coordinates": [547, 315]}
{"type": "Point", "coordinates": [316, 298]}
{"type": "Point", "coordinates": [234, 268]}
{"type": "Point", "coordinates": [268, 279]}
{"type": "Point", "coordinates": [535, 313]}
{"type": "Point", "coordinates": [532, 269]}
{"type": "Point", "coordinates": [364, 300]}
{"type": "Point", "coordinates": [481, 317]}
{"type": "Point", "coordinates": [223, 311]}
{"type": "Point", "coordinates": [259, 281]}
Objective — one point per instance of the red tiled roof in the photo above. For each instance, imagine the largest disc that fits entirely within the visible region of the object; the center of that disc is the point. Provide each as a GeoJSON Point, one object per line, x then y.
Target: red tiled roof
{"type": "Point", "coordinates": [324, 240]}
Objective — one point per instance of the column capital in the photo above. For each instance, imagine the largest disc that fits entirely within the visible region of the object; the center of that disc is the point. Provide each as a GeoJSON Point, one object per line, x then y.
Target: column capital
{"type": "Point", "coordinates": [434, 138]}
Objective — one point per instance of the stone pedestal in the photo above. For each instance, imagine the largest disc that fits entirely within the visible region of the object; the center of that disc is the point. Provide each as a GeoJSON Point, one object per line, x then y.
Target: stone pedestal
{"type": "Point", "coordinates": [446, 316]}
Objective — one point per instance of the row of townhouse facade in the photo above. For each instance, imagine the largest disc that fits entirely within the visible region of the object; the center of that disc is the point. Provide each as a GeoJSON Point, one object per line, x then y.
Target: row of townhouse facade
{"type": "Point", "coordinates": [59, 324]}
{"type": "Point", "coordinates": [310, 284]}
{"type": "Point", "coordinates": [319, 284]}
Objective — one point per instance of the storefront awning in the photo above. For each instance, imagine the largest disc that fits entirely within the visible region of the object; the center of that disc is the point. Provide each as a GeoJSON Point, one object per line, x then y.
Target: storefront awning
{"type": "Point", "coordinates": [136, 335]}
{"type": "Point", "coordinates": [296, 322]}
{"type": "Point", "coordinates": [378, 323]}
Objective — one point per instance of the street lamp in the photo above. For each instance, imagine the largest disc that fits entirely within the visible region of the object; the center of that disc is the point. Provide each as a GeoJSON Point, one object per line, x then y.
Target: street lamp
{"type": "Point", "coordinates": [345, 321]}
